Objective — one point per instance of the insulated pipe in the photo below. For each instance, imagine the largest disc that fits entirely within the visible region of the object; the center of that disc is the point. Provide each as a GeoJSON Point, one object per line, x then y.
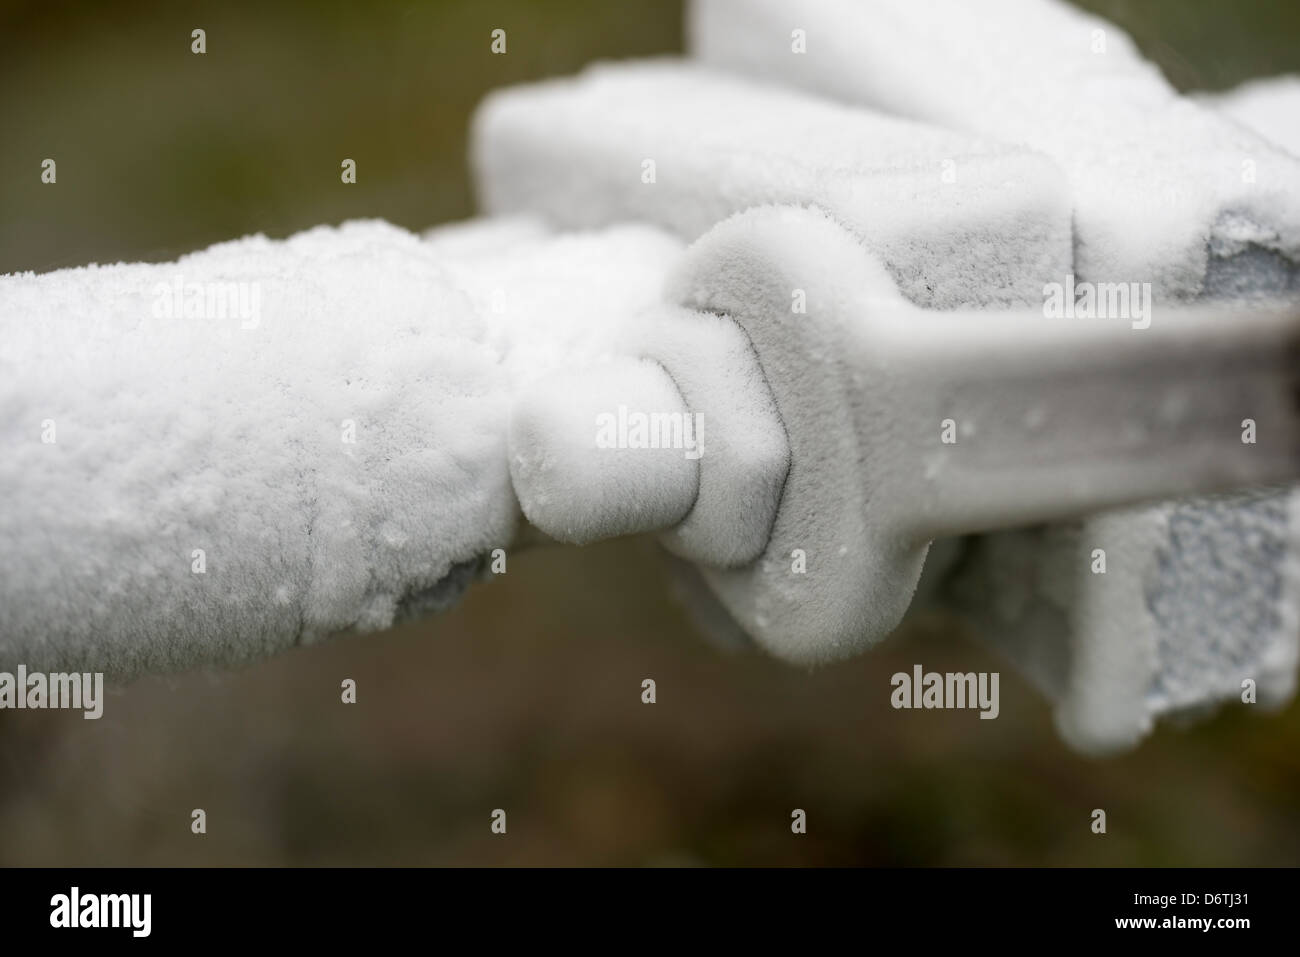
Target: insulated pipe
{"type": "Point", "coordinates": [906, 425]}
{"type": "Point", "coordinates": [189, 489]}
{"type": "Point", "coordinates": [265, 443]}
{"type": "Point", "coordinates": [605, 442]}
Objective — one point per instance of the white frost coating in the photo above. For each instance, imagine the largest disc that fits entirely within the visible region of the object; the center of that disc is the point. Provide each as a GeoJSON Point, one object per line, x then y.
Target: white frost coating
{"type": "Point", "coordinates": [859, 582]}
{"type": "Point", "coordinates": [1195, 598]}
{"type": "Point", "coordinates": [339, 456]}
{"type": "Point", "coordinates": [1164, 190]}
{"type": "Point", "coordinates": [1270, 107]}
{"type": "Point", "coordinates": [1084, 640]}
{"type": "Point", "coordinates": [864, 381]}
{"type": "Point", "coordinates": [532, 287]}
{"type": "Point", "coordinates": [714, 492]}
{"type": "Point", "coordinates": [579, 489]}
{"type": "Point", "coordinates": [745, 456]}
{"type": "Point", "coordinates": [1157, 180]}
{"type": "Point", "coordinates": [1113, 656]}
{"type": "Point", "coordinates": [1214, 631]}
{"type": "Point", "coordinates": [534, 293]}
{"type": "Point", "coordinates": [1220, 601]}
{"type": "Point", "coordinates": [956, 220]}
{"type": "Point", "coordinates": [552, 301]}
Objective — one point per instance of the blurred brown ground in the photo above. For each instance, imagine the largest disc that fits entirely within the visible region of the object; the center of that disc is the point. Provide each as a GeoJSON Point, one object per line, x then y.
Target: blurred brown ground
{"type": "Point", "coordinates": [527, 696]}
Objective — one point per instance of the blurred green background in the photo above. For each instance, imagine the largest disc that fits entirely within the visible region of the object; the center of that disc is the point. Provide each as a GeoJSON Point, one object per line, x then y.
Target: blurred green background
{"type": "Point", "coordinates": [527, 696]}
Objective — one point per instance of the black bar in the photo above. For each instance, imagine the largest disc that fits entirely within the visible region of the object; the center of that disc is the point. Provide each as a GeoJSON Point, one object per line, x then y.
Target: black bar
{"type": "Point", "coordinates": [332, 906]}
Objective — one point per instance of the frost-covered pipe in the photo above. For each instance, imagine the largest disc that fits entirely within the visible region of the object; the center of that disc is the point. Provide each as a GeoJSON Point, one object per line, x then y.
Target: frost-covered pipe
{"type": "Point", "coordinates": [263, 443]}
{"type": "Point", "coordinates": [1163, 190]}
{"type": "Point", "coordinates": [1198, 597]}
{"type": "Point", "coordinates": [956, 220]}
{"type": "Point", "coordinates": [340, 440]}
{"type": "Point", "coordinates": [905, 425]}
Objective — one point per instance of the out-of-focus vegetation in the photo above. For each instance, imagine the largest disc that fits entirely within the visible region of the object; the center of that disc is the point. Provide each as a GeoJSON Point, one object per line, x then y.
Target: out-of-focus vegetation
{"type": "Point", "coordinates": [527, 696]}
